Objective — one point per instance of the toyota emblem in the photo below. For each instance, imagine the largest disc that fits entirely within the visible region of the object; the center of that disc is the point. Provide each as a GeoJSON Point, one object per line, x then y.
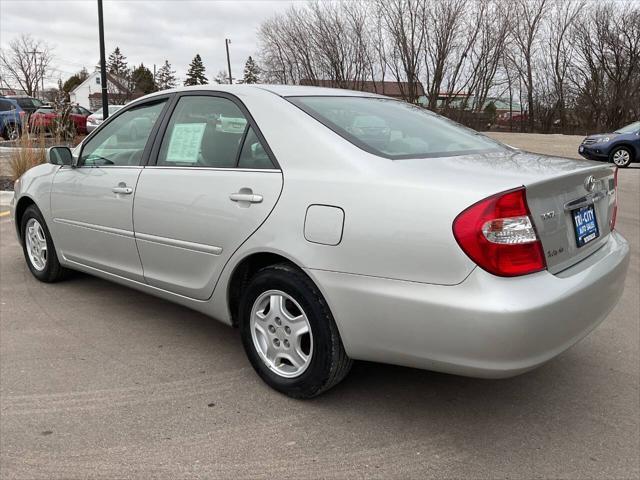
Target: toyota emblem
{"type": "Point", "coordinates": [589, 183]}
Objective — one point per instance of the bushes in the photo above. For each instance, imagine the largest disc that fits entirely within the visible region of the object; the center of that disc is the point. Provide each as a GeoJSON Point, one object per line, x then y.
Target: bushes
{"type": "Point", "coordinates": [28, 152]}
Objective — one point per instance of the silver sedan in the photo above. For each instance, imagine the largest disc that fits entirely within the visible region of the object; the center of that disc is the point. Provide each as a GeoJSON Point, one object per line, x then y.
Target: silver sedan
{"type": "Point", "coordinates": [96, 118]}
{"type": "Point", "coordinates": [330, 225]}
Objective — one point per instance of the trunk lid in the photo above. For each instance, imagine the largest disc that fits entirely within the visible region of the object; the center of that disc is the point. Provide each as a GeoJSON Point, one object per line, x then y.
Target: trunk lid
{"type": "Point", "coordinates": [553, 202]}
{"type": "Point", "coordinates": [554, 188]}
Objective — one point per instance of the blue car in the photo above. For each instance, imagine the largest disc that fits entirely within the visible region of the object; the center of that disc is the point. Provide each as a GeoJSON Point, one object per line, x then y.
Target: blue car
{"type": "Point", "coordinates": [11, 118]}
{"type": "Point", "coordinates": [620, 147]}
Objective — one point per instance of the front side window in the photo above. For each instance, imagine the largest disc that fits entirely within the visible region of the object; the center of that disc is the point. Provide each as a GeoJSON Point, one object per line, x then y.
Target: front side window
{"type": "Point", "coordinates": [122, 141]}
{"type": "Point", "coordinates": [394, 129]}
{"type": "Point", "coordinates": [203, 132]}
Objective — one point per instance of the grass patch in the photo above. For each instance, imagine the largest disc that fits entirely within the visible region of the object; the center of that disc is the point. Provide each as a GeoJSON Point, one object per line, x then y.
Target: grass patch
{"type": "Point", "coordinates": [29, 151]}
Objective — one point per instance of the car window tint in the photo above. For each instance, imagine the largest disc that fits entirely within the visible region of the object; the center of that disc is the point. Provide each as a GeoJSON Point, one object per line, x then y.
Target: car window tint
{"type": "Point", "coordinates": [203, 132]}
{"type": "Point", "coordinates": [122, 141]}
{"type": "Point", "coordinates": [5, 106]}
{"type": "Point", "coordinates": [26, 103]}
{"type": "Point", "coordinates": [394, 129]}
{"type": "Point", "coordinates": [253, 154]}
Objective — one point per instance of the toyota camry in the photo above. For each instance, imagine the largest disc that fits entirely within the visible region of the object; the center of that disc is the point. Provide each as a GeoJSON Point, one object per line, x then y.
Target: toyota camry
{"type": "Point", "coordinates": [332, 226]}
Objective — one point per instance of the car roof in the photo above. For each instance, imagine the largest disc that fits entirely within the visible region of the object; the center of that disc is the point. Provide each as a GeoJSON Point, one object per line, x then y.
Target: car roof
{"type": "Point", "coordinates": [280, 90]}
{"type": "Point", "coordinates": [11, 100]}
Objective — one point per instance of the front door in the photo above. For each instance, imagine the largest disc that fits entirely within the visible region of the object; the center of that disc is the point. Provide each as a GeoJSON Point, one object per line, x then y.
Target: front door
{"type": "Point", "coordinates": [92, 203]}
{"type": "Point", "coordinates": [213, 184]}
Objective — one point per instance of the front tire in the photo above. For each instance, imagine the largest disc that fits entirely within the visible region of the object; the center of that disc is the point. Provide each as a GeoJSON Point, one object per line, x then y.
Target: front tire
{"type": "Point", "coordinates": [12, 132]}
{"type": "Point", "coordinates": [37, 245]}
{"type": "Point", "coordinates": [621, 157]}
{"type": "Point", "coordinates": [289, 334]}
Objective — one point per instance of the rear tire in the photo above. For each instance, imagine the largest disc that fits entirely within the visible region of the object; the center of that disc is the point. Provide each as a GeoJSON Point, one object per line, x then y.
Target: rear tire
{"type": "Point", "coordinates": [279, 301]}
{"type": "Point", "coordinates": [621, 156]}
{"type": "Point", "coordinates": [39, 250]}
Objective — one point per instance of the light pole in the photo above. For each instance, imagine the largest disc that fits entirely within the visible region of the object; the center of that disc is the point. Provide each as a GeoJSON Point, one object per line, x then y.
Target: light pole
{"type": "Point", "coordinates": [103, 65]}
{"type": "Point", "coordinates": [226, 44]}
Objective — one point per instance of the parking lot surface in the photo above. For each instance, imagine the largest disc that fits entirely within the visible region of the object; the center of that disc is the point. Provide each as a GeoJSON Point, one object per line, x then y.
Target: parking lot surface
{"type": "Point", "coordinates": [100, 381]}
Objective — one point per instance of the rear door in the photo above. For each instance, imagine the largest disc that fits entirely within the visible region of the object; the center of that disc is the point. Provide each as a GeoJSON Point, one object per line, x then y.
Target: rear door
{"type": "Point", "coordinates": [211, 182]}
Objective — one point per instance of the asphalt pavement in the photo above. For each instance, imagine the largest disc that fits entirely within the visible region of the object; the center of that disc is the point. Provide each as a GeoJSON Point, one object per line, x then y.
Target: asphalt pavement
{"type": "Point", "coordinates": [100, 381]}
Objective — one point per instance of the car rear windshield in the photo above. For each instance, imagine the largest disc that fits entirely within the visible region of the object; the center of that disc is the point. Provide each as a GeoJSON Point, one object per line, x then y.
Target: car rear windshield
{"type": "Point", "coordinates": [29, 102]}
{"type": "Point", "coordinates": [394, 129]}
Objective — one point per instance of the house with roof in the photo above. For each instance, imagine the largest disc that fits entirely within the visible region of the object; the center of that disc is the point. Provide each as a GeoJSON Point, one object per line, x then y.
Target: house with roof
{"type": "Point", "coordinates": [89, 93]}
{"type": "Point", "coordinates": [390, 89]}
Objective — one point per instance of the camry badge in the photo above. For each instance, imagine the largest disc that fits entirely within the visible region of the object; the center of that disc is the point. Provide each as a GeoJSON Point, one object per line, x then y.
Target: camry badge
{"type": "Point", "coordinates": [589, 183]}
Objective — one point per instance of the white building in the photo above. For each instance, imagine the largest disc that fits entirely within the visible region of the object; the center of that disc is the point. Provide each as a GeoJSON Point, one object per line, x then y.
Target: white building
{"type": "Point", "coordinates": [88, 93]}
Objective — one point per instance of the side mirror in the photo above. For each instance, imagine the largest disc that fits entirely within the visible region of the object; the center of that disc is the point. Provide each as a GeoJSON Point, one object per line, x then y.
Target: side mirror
{"type": "Point", "coordinates": [59, 156]}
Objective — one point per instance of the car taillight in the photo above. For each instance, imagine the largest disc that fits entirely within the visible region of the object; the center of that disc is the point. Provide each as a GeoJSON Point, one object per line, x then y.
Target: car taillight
{"type": "Point", "coordinates": [498, 235]}
{"type": "Point", "coordinates": [614, 214]}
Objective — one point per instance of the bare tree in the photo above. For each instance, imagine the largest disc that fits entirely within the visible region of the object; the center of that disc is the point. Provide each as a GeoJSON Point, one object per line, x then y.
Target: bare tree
{"type": "Point", "coordinates": [528, 15]}
{"type": "Point", "coordinates": [442, 23]}
{"type": "Point", "coordinates": [403, 22]}
{"type": "Point", "coordinates": [607, 76]}
{"type": "Point", "coordinates": [25, 63]}
{"type": "Point", "coordinates": [561, 50]}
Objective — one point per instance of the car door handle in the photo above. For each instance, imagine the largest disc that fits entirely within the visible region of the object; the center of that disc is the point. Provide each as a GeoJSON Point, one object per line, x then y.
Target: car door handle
{"type": "Point", "coordinates": [245, 197]}
{"type": "Point", "coordinates": [122, 189]}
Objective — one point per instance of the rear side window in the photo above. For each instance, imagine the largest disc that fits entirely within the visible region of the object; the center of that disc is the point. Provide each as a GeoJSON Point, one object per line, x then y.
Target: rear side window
{"type": "Point", "coordinates": [5, 106]}
{"type": "Point", "coordinates": [203, 132]}
{"type": "Point", "coordinates": [122, 141]}
{"type": "Point", "coordinates": [394, 129]}
{"type": "Point", "coordinates": [253, 154]}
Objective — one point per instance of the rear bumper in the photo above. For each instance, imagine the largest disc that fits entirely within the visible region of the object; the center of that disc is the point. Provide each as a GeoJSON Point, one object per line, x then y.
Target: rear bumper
{"type": "Point", "coordinates": [486, 326]}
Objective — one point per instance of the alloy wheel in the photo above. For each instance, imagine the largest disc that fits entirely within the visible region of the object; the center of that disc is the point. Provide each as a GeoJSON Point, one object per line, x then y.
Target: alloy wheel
{"type": "Point", "coordinates": [281, 333]}
{"type": "Point", "coordinates": [36, 242]}
{"type": "Point", "coordinates": [621, 158]}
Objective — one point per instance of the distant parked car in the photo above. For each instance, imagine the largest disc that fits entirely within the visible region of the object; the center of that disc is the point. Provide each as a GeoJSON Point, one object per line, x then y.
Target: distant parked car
{"type": "Point", "coordinates": [506, 118]}
{"type": "Point", "coordinates": [28, 104]}
{"type": "Point", "coordinates": [11, 118]}
{"type": "Point", "coordinates": [620, 147]}
{"type": "Point", "coordinates": [95, 119]}
{"type": "Point", "coordinates": [42, 119]}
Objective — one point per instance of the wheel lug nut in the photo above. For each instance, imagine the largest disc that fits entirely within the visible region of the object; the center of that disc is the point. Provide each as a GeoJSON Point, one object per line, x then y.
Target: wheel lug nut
{"type": "Point", "coordinates": [286, 343]}
{"type": "Point", "coordinates": [272, 329]}
{"type": "Point", "coordinates": [276, 342]}
{"type": "Point", "coordinates": [288, 330]}
{"type": "Point", "coordinates": [278, 322]}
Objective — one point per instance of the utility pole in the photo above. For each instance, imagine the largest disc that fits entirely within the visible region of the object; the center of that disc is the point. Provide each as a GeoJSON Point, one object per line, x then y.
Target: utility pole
{"type": "Point", "coordinates": [42, 73]}
{"type": "Point", "coordinates": [103, 65]}
{"type": "Point", "coordinates": [226, 44]}
{"type": "Point", "coordinates": [35, 70]}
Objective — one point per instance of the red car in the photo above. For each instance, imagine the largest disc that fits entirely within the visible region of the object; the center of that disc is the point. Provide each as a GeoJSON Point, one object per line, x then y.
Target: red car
{"type": "Point", "coordinates": [42, 119]}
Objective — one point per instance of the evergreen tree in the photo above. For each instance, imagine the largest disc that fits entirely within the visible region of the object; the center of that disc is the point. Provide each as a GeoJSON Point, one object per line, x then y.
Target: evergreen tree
{"type": "Point", "coordinates": [117, 64]}
{"type": "Point", "coordinates": [74, 80]}
{"type": "Point", "coordinates": [142, 79]}
{"type": "Point", "coordinates": [166, 77]}
{"type": "Point", "coordinates": [195, 74]}
{"type": "Point", "coordinates": [251, 72]}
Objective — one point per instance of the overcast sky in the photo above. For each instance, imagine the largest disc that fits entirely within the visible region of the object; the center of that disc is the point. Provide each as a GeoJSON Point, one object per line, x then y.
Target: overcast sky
{"type": "Point", "coordinates": [145, 31]}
